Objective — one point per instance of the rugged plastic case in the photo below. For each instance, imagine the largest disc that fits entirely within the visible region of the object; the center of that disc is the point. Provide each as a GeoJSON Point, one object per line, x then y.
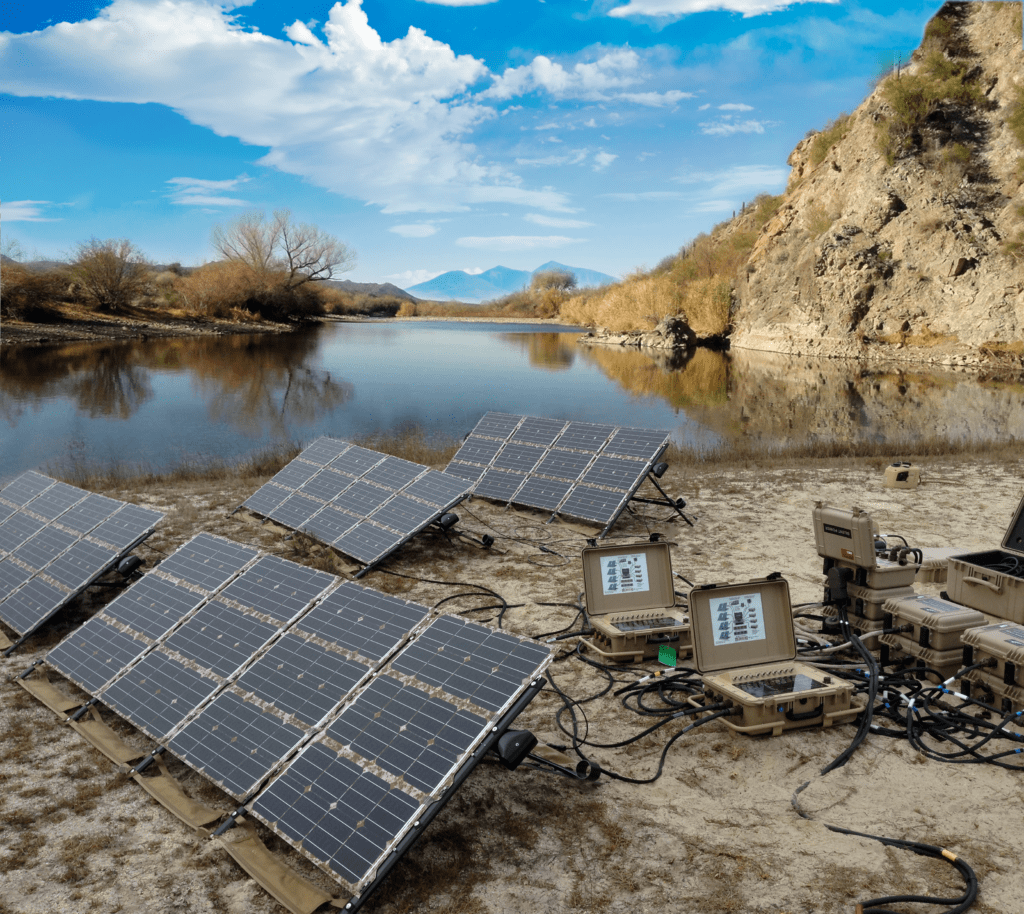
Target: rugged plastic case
{"type": "Point", "coordinates": [944, 663]}
{"type": "Point", "coordinates": [935, 565]}
{"type": "Point", "coordinates": [844, 536]}
{"type": "Point", "coordinates": [633, 610]}
{"type": "Point", "coordinates": [902, 476]}
{"type": "Point", "coordinates": [938, 624]}
{"type": "Point", "coordinates": [766, 648]}
{"type": "Point", "coordinates": [867, 603]}
{"type": "Point", "coordinates": [993, 581]}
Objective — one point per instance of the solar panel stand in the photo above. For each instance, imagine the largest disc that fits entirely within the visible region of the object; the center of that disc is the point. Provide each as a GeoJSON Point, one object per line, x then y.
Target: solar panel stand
{"type": "Point", "coordinates": [665, 501]}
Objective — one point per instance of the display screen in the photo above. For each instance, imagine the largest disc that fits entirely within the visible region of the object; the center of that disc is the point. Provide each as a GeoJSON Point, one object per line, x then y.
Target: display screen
{"type": "Point", "coordinates": [624, 573]}
{"type": "Point", "coordinates": [738, 619]}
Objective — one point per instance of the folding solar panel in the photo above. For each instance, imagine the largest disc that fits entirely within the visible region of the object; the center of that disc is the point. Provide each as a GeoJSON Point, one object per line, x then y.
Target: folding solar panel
{"type": "Point", "coordinates": [135, 620]}
{"type": "Point", "coordinates": [358, 501]}
{"type": "Point", "coordinates": [578, 469]}
{"type": "Point", "coordinates": [55, 540]}
{"type": "Point", "coordinates": [365, 783]}
{"type": "Point", "coordinates": [248, 728]}
{"type": "Point", "coordinates": [192, 660]}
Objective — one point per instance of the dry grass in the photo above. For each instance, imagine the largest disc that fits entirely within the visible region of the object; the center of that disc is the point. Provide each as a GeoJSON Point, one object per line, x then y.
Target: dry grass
{"type": "Point", "coordinates": [834, 131]}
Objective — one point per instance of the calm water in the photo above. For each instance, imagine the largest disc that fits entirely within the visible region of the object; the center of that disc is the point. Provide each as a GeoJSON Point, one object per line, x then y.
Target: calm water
{"type": "Point", "coordinates": [157, 402]}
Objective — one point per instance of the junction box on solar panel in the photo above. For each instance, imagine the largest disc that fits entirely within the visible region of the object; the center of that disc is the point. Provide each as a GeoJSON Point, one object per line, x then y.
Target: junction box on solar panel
{"type": "Point", "coordinates": [993, 581]}
{"type": "Point", "coordinates": [744, 647]}
{"type": "Point", "coordinates": [631, 602]}
{"type": "Point", "coordinates": [846, 538]}
{"type": "Point", "coordinates": [1003, 645]}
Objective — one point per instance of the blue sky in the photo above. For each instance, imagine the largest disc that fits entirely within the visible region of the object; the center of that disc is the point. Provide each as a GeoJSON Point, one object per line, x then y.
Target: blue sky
{"type": "Point", "coordinates": [427, 134]}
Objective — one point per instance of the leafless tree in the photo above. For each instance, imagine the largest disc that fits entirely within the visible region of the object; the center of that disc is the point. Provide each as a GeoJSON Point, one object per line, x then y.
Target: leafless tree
{"type": "Point", "coordinates": [561, 280]}
{"type": "Point", "coordinates": [302, 252]}
{"type": "Point", "coordinates": [110, 273]}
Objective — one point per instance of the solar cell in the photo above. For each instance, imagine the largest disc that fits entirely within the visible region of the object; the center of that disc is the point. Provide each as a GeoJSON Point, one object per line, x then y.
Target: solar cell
{"type": "Point", "coordinates": [207, 561]}
{"type": "Point", "coordinates": [43, 548]}
{"type": "Point", "coordinates": [88, 513]}
{"type": "Point", "coordinates": [356, 461]}
{"type": "Point", "coordinates": [637, 442]}
{"type": "Point", "coordinates": [593, 504]}
{"type": "Point", "coordinates": [394, 473]}
{"type": "Point", "coordinates": [499, 485]}
{"type": "Point", "coordinates": [438, 489]}
{"type": "Point", "coordinates": [295, 510]}
{"type": "Point", "coordinates": [95, 652]}
{"type": "Point", "coordinates": [26, 487]}
{"type": "Point", "coordinates": [404, 514]}
{"type": "Point", "coordinates": [266, 498]}
{"type": "Point", "coordinates": [498, 425]}
{"type": "Point", "coordinates": [295, 474]}
{"type": "Point", "coordinates": [124, 528]}
{"type": "Point", "coordinates": [329, 523]}
{"type": "Point", "coordinates": [326, 485]}
{"type": "Point", "coordinates": [16, 530]}
{"type": "Point", "coordinates": [367, 542]}
{"type": "Point", "coordinates": [478, 450]}
{"type": "Point", "coordinates": [13, 575]}
{"type": "Point", "coordinates": [361, 499]}
{"type": "Point", "coordinates": [322, 451]}
{"type": "Point", "coordinates": [564, 464]}
{"type": "Point", "coordinates": [75, 568]}
{"type": "Point", "coordinates": [464, 471]}
{"type": "Point", "coordinates": [521, 458]}
{"type": "Point", "coordinates": [53, 502]}
{"type": "Point", "coordinates": [31, 604]}
{"type": "Point", "coordinates": [536, 430]}
{"type": "Point", "coordinates": [538, 492]}
{"type": "Point", "coordinates": [585, 436]}
{"type": "Point", "coordinates": [613, 473]}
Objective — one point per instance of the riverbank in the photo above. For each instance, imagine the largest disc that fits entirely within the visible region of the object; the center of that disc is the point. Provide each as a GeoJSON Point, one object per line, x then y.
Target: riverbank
{"type": "Point", "coordinates": [715, 833]}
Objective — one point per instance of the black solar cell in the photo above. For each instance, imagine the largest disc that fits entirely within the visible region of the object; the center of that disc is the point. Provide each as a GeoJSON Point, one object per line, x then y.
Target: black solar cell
{"type": "Point", "coordinates": [538, 492]}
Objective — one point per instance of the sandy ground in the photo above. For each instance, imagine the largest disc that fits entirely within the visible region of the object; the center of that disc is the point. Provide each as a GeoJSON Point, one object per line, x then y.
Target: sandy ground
{"type": "Point", "coordinates": [716, 833]}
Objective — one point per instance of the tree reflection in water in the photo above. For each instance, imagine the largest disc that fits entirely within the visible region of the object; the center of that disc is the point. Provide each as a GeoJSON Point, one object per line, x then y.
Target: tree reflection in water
{"type": "Point", "coordinates": [256, 383]}
{"type": "Point", "coordinates": [550, 351]}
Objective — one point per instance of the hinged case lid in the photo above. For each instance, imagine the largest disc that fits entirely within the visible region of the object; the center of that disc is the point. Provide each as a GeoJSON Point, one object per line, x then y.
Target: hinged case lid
{"type": "Point", "coordinates": [738, 625]}
{"type": "Point", "coordinates": [630, 577]}
{"type": "Point", "coordinates": [1014, 539]}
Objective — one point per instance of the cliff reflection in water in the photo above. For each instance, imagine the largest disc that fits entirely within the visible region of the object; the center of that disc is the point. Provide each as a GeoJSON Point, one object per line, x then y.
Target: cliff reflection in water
{"type": "Point", "coordinates": [257, 383]}
{"type": "Point", "coordinates": [550, 351]}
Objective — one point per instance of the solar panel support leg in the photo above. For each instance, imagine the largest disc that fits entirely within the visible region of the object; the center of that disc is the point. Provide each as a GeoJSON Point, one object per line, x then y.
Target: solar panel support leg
{"type": "Point", "coordinates": [668, 501]}
{"type": "Point", "coordinates": [148, 760]}
{"type": "Point", "coordinates": [229, 823]}
{"type": "Point", "coordinates": [16, 645]}
{"type": "Point", "coordinates": [80, 713]}
{"type": "Point", "coordinates": [28, 672]}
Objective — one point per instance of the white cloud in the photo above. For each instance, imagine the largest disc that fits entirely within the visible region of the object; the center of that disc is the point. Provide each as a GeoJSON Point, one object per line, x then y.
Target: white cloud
{"type": "Point", "coordinates": [728, 128]}
{"type": "Point", "coordinates": [676, 9]}
{"type": "Point", "coordinates": [330, 109]}
{"type": "Point", "coordinates": [459, 2]}
{"type": "Point", "coordinates": [416, 230]}
{"type": "Point", "coordinates": [655, 99]}
{"type": "Point", "coordinates": [704, 107]}
{"type": "Point", "coordinates": [24, 211]}
{"type": "Point", "coordinates": [551, 126]}
{"type": "Point", "coordinates": [603, 159]}
{"type": "Point", "coordinates": [738, 179]}
{"type": "Point", "coordinates": [517, 242]}
{"type": "Point", "coordinates": [411, 277]}
{"type": "Point", "coordinates": [204, 192]}
{"type": "Point", "coordinates": [576, 157]}
{"type": "Point", "coordinates": [648, 196]}
{"type": "Point", "coordinates": [614, 70]}
{"type": "Point", "coordinates": [590, 123]}
{"type": "Point", "coordinates": [731, 106]}
{"type": "Point", "coordinates": [552, 222]}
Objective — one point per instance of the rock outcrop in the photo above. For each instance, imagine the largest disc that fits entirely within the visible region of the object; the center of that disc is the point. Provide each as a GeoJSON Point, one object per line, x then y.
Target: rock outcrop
{"type": "Point", "coordinates": [904, 260]}
{"type": "Point", "coordinates": [672, 333]}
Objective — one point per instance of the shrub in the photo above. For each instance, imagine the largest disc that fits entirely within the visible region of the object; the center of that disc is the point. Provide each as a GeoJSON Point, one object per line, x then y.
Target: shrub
{"type": "Point", "coordinates": [1015, 116]}
{"type": "Point", "coordinates": [31, 296]}
{"type": "Point", "coordinates": [830, 134]}
{"type": "Point", "coordinates": [765, 206]}
{"type": "Point", "coordinates": [110, 274]}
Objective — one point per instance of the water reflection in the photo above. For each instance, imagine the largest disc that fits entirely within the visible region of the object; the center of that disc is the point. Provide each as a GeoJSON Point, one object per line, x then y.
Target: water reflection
{"type": "Point", "coordinates": [258, 383]}
{"type": "Point", "coordinates": [550, 351]}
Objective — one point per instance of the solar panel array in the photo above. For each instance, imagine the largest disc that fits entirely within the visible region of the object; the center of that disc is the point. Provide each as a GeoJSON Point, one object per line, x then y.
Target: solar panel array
{"type": "Point", "coordinates": [579, 469]}
{"type": "Point", "coordinates": [335, 713]}
{"type": "Point", "coordinates": [363, 503]}
{"type": "Point", "coordinates": [55, 540]}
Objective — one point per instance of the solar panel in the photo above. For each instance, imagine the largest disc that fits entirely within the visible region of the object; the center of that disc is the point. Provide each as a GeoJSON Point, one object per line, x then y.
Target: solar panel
{"type": "Point", "coordinates": [358, 501]}
{"type": "Point", "coordinates": [351, 794]}
{"type": "Point", "coordinates": [189, 663]}
{"type": "Point", "coordinates": [55, 540]}
{"type": "Point", "coordinates": [247, 729]}
{"type": "Point", "coordinates": [135, 620]}
{"type": "Point", "coordinates": [545, 463]}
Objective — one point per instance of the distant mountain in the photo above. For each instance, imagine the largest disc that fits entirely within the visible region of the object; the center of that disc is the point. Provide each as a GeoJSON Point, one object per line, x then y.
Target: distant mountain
{"type": "Point", "coordinates": [496, 282]}
{"type": "Point", "coordinates": [368, 288]}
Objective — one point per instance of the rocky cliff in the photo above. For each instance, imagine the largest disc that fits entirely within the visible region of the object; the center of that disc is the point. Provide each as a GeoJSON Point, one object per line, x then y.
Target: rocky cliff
{"type": "Point", "coordinates": [902, 239]}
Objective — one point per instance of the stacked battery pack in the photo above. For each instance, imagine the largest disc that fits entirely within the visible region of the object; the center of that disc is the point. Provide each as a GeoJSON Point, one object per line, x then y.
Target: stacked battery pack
{"type": "Point", "coordinates": [934, 633]}
{"type": "Point", "coordinates": [1000, 681]}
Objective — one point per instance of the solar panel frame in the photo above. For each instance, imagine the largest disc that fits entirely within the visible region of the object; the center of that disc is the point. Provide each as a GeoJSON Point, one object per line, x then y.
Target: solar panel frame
{"type": "Point", "coordinates": [357, 500]}
{"type": "Point", "coordinates": [583, 454]}
{"type": "Point", "coordinates": [365, 786]}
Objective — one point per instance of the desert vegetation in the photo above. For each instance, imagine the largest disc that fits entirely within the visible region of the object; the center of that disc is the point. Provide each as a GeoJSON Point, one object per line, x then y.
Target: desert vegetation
{"type": "Point", "coordinates": [545, 297]}
{"type": "Point", "coordinates": [268, 269]}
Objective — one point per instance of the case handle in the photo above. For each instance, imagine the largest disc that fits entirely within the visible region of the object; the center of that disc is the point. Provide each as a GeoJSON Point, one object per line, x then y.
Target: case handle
{"type": "Point", "coordinates": [991, 585]}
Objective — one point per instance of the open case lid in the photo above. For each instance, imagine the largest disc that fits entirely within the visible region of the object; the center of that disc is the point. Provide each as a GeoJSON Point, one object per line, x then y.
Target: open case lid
{"type": "Point", "coordinates": [628, 578]}
{"type": "Point", "coordinates": [738, 625]}
{"type": "Point", "coordinates": [1014, 539]}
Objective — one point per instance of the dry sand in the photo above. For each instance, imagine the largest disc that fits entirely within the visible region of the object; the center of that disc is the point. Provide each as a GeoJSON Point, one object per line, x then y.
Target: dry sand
{"type": "Point", "coordinates": [716, 833]}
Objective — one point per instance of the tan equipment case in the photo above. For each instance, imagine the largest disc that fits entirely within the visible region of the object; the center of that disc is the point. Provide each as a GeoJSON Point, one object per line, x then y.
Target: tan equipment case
{"type": "Point", "coordinates": [744, 646]}
{"type": "Point", "coordinates": [1004, 681]}
{"type": "Point", "coordinates": [846, 538]}
{"type": "Point", "coordinates": [902, 476]}
{"type": "Point", "coordinates": [631, 603]}
{"type": "Point", "coordinates": [993, 581]}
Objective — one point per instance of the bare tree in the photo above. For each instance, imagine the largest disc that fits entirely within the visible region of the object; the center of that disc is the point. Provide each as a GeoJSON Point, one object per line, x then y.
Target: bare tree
{"type": "Point", "coordinates": [302, 252]}
{"type": "Point", "coordinates": [110, 273]}
{"type": "Point", "coordinates": [560, 280]}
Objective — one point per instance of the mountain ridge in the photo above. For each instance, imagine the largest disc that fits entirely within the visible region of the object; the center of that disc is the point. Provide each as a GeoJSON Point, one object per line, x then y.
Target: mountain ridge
{"type": "Point", "coordinates": [496, 282]}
